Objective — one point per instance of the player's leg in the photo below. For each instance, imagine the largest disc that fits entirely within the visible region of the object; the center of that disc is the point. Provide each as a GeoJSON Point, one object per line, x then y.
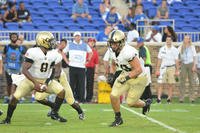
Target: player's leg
{"type": "Point", "coordinates": [23, 89]}
{"type": "Point", "coordinates": [137, 87]}
{"type": "Point", "coordinates": [40, 97]}
{"type": "Point", "coordinates": [57, 88]}
{"type": "Point", "coordinates": [1, 112]}
{"type": "Point", "coordinates": [9, 87]}
{"type": "Point", "coordinates": [117, 90]}
{"type": "Point", "coordinates": [69, 95]}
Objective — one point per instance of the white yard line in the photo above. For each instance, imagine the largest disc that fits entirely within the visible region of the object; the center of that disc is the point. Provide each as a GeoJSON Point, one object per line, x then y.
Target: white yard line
{"type": "Point", "coordinates": [153, 120]}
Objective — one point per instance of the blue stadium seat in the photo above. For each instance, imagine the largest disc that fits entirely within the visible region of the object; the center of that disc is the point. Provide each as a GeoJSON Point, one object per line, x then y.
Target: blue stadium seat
{"type": "Point", "coordinates": [59, 27]}
{"type": "Point", "coordinates": [189, 29]}
{"type": "Point", "coordinates": [58, 9]}
{"type": "Point", "coordinates": [180, 23]}
{"type": "Point", "coordinates": [152, 12]}
{"type": "Point", "coordinates": [44, 27]}
{"type": "Point", "coordinates": [67, 21]}
{"type": "Point", "coordinates": [74, 27]}
{"type": "Point", "coordinates": [184, 10]}
{"type": "Point", "coordinates": [89, 27]}
{"type": "Point", "coordinates": [177, 5]}
{"type": "Point", "coordinates": [28, 28]}
{"type": "Point", "coordinates": [39, 21]}
{"type": "Point", "coordinates": [53, 21]}
{"type": "Point", "coordinates": [53, 3]}
{"type": "Point", "coordinates": [12, 25]}
{"type": "Point", "coordinates": [147, 5]}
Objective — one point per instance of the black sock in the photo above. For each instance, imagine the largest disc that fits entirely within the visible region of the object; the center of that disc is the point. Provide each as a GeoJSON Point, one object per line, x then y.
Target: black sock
{"type": "Point", "coordinates": [57, 104]}
{"type": "Point", "coordinates": [77, 107]}
{"type": "Point", "coordinates": [46, 102]}
{"type": "Point", "coordinates": [10, 111]}
{"type": "Point", "coordinates": [117, 114]}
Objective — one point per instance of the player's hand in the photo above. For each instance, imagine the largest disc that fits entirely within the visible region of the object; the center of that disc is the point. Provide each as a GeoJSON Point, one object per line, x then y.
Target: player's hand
{"type": "Point", "coordinates": [157, 73]}
{"type": "Point", "coordinates": [40, 87]}
{"type": "Point", "coordinates": [123, 79]}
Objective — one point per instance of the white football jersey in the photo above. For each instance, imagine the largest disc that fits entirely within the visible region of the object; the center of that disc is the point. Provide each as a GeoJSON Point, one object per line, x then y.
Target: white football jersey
{"type": "Point", "coordinates": [127, 54]}
{"type": "Point", "coordinates": [42, 64]}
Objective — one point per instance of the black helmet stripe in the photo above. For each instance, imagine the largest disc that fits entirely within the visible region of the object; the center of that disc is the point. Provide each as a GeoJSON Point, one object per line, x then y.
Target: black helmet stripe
{"type": "Point", "coordinates": [113, 34]}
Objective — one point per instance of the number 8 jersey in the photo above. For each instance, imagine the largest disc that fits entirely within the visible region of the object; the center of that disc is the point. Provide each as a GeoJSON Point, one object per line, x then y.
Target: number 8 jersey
{"type": "Point", "coordinates": [41, 63]}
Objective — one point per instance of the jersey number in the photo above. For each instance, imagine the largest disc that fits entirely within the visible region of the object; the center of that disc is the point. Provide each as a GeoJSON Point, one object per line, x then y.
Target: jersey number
{"type": "Point", "coordinates": [125, 67]}
{"type": "Point", "coordinates": [44, 67]}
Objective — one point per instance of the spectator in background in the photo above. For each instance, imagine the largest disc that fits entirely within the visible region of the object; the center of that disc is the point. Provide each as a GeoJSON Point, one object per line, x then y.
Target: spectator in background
{"type": "Point", "coordinates": [92, 70]}
{"type": "Point", "coordinates": [163, 11]}
{"type": "Point", "coordinates": [77, 60]}
{"type": "Point", "coordinates": [13, 57]}
{"type": "Point", "coordinates": [132, 34]}
{"type": "Point", "coordinates": [168, 31]}
{"type": "Point", "coordinates": [23, 15]}
{"type": "Point", "coordinates": [103, 35]}
{"type": "Point", "coordinates": [188, 67]}
{"type": "Point", "coordinates": [144, 53]}
{"type": "Point", "coordinates": [128, 19]}
{"type": "Point", "coordinates": [154, 35]}
{"type": "Point", "coordinates": [65, 62]}
{"type": "Point", "coordinates": [167, 69]}
{"type": "Point", "coordinates": [198, 70]}
{"type": "Point", "coordinates": [112, 17]}
{"type": "Point", "coordinates": [104, 8]}
{"type": "Point", "coordinates": [80, 9]}
{"type": "Point", "coordinates": [10, 15]}
{"type": "Point", "coordinates": [1, 72]}
{"type": "Point", "coordinates": [139, 15]}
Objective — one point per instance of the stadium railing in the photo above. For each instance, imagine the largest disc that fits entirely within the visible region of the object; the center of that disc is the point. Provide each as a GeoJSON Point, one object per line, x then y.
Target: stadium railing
{"type": "Point", "coordinates": [30, 35]}
{"type": "Point", "coordinates": [143, 26]}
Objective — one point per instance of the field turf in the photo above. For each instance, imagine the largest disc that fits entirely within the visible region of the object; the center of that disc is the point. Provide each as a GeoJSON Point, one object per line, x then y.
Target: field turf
{"type": "Point", "coordinates": [163, 118]}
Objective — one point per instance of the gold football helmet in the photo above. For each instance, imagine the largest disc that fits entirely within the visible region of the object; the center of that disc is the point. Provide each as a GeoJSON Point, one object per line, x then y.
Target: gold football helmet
{"type": "Point", "coordinates": [116, 36]}
{"type": "Point", "coordinates": [45, 39]}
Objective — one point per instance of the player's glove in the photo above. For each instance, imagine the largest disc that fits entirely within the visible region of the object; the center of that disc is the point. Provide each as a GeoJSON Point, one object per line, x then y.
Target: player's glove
{"type": "Point", "coordinates": [110, 78]}
{"type": "Point", "coordinates": [123, 79]}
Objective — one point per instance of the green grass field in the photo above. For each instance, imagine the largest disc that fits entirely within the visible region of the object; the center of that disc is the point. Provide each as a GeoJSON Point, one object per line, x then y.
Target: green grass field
{"type": "Point", "coordinates": [163, 118]}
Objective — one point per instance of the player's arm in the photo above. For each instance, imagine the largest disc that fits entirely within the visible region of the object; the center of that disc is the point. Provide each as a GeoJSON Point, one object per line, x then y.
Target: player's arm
{"type": "Point", "coordinates": [158, 67]}
{"type": "Point", "coordinates": [57, 70]}
{"type": "Point", "coordinates": [136, 68]}
{"type": "Point", "coordinates": [25, 67]}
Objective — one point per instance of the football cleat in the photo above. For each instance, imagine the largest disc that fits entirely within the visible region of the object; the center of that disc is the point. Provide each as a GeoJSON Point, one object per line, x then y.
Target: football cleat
{"type": "Point", "coordinates": [169, 101]}
{"type": "Point", "coordinates": [1, 112]}
{"type": "Point", "coordinates": [6, 121]}
{"type": "Point", "coordinates": [81, 116]}
{"type": "Point", "coordinates": [146, 108]}
{"type": "Point", "coordinates": [49, 113]}
{"type": "Point", "coordinates": [55, 116]}
{"type": "Point", "coordinates": [118, 121]}
{"type": "Point", "coordinates": [158, 100]}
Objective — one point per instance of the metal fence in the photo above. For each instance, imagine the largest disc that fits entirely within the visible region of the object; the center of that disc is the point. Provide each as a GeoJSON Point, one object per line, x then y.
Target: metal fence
{"type": "Point", "coordinates": [30, 35]}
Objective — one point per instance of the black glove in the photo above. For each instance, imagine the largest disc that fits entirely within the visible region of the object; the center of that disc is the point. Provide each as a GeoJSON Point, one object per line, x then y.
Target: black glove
{"type": "Point", "coordinates": [110, 78]}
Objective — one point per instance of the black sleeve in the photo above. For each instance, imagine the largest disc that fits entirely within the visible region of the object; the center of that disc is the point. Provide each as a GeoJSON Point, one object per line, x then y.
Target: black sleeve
{"type": "Point", "coordinates": [28, 60]}
{"type": "Point", "coordinates": [5, 49]}
{"type": "Point", "coordinates": [24, 50]}
{"type": "Point", "coordinates": [142, 52]}
{"type": "Point", "coordinates": [51, 77]}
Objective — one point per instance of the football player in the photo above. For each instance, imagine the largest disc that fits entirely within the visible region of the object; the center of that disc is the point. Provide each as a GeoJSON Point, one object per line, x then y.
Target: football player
{"type": "Point", "coordinates": [37, 68]}
{"type": "Point", "coordinates": [61, 77]}
{"type": "Point", "coordinates": [132, 79]}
